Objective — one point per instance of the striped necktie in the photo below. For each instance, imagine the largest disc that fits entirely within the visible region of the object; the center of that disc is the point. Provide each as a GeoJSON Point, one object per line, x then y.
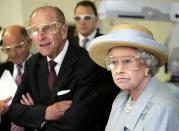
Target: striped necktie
{"type": "Point", "coordinates": [18, 80]}
{"type": "Point", "coordinates": [19, 74]}
{"type": "Point", "coordinates": [85, 41]}
{"type": "Point", "coordinates": [15, 127]}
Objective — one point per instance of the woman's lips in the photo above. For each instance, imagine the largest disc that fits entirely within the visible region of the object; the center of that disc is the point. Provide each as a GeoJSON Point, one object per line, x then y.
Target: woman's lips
{"type": "Point", "coordinates": [121, 79]}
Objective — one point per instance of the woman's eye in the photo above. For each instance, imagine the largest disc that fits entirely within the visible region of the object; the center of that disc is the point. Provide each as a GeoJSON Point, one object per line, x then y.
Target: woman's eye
{"type": "Point", "coordinates": [127, 61]}
{"type": "Point", "coordinates": [114, 62]}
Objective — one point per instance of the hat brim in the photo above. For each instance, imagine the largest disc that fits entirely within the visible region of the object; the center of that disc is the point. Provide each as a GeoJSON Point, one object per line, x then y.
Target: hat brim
{"type": "Point", "coordinates": [100, 46]}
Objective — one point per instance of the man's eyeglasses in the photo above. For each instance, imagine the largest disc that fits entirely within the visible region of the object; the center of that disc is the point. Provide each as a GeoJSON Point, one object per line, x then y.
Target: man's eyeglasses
{"type": "Point", "coordinates": [84, 18]}
{"type": "Point", "coordinates": [126, 62]}
{"type": "Point", "coordinates": [7, 49]}
{"type": "Point", "coordinates": [47, 28]}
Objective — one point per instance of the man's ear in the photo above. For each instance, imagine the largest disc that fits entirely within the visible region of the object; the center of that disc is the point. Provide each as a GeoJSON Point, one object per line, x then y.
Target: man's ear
{"type": "Point", "coordinates": [29, 41]}
{"type": "Point", "coordinates": [64, 31]}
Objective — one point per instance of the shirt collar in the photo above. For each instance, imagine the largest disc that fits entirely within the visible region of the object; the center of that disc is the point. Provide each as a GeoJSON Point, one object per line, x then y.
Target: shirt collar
{"type": "Point", "coordinates": [90, 37]}
{"type": "Point", "coordinates": [59, 58]}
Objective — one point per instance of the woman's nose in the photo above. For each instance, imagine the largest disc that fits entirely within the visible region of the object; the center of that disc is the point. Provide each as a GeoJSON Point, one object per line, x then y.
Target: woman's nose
{"type": "Point", "coordinates": [119, 69]}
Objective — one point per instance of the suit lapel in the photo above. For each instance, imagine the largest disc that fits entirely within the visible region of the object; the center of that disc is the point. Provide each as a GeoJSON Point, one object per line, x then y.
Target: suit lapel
{"type": "Point", "coordinates": [11, 67]}
{"type": "Point", "coordinates": [42, 75]}
{"type": "Point", "coordinates": [143, 105]}
{"type": "Point", "coordinates": [65, 71]}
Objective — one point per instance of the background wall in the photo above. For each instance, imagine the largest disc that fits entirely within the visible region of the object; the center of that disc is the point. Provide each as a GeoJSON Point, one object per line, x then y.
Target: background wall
{"type": "Point", "coordinates": [18, 12]}
{"type": "Point", "coordinates": [10, 12]}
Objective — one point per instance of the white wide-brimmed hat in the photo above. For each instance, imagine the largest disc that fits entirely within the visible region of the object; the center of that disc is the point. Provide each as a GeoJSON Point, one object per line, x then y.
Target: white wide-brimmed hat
{"type": "Point", "coordinates": [130, 35]}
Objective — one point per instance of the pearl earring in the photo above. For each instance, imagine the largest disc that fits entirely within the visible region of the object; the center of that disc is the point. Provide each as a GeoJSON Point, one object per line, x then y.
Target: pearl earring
{"type": "Point", "coordinates": [146, 73]}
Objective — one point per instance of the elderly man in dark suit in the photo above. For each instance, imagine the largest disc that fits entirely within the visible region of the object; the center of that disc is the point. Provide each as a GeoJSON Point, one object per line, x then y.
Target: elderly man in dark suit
{"type": "Point", "coordinates": [17, 45]}
{"type": "Point", "coordinates": [61, 79]}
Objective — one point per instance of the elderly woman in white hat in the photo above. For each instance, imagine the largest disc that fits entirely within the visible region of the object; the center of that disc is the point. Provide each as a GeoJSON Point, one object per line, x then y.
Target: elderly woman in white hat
{"type": "Point", "coordinates": [133, 57]}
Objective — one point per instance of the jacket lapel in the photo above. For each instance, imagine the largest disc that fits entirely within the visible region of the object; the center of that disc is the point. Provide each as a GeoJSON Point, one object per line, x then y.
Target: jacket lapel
{"type": "Point", "coordinates": [42, 75]}
{"type": "Point", "coordinates": [11, 67]}
{"type": "Point", "coordinates": [65, 71]}
{"type": "Point", "coordinates": [142, 104]}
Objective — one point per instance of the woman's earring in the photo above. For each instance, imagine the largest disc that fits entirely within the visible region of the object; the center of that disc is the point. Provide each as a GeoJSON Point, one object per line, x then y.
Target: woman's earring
{"type": "Point", "coordinates": [146, 72]}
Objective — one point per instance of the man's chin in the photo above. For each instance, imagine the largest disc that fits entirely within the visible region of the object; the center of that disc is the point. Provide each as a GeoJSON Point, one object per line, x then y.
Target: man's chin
{"type": "Point", "coordinates": [44, 53]}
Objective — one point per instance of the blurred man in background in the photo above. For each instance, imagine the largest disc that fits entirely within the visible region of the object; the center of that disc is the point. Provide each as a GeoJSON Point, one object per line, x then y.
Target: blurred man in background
{"type": "Point", "coordinates": [86, 21]}
{"type": "Point", "coordinates": [17, 45]}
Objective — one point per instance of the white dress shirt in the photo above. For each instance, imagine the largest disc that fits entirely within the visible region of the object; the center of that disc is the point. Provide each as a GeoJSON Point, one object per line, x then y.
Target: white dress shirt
{"type": "Point", "coordinates": [59, 58]}
{"type": "Point", "coordinates": [90, 37]}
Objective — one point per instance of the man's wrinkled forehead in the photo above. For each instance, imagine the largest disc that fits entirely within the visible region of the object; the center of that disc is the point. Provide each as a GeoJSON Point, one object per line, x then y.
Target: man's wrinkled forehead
{"type": "Point", "coordinates": [44, 15]}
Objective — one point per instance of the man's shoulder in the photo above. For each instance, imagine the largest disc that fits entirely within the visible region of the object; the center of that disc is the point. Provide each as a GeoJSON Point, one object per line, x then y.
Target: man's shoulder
{"type": "Point", "coordinates": [6, 63]}
{"type": "Point", "coordinates": [78, 53]}
{"type": "Point", "coordinates": [74, 39]}
{"type": "Point", "coordinates": [98, 34]}
{"type": "Point", "coordinates": [35, 58]}
{"type": "Point", "coordinates": [6, 66]}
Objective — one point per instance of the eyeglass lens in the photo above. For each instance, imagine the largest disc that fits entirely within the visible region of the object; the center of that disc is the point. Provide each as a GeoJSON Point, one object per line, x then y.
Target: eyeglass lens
{"type": "Point", "coordinates": [84, 17]}
{"type": "Point", "coordinates": [13, 47]}
{"type": "Point", "coordinates": [128, 63]}
{"type": "Point", "coordinates": [45, 29]}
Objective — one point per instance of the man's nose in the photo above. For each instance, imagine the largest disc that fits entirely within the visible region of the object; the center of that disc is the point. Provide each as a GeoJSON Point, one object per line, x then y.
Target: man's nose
{"type": "Point", "coordinates": [12, 52]}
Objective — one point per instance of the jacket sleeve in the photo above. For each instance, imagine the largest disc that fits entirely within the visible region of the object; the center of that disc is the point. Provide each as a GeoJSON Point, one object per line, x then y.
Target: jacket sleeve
{"type": "Point", "coordinates": [24, 115]}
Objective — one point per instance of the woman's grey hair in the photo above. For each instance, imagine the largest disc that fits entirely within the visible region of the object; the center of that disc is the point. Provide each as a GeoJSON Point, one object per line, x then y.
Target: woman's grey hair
{"type": "Point", "coordinates": [150, 60]}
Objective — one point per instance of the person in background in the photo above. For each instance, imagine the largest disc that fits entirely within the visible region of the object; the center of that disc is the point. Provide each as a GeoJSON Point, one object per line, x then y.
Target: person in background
{"type": "Point", "coordinates": [3, 56]}
{"type": "Point", "coordinates": [133, 57]}
{"type": "Point", "coordinates": [86, 21]}
{"type": "Point", "coordinates": [16, 43]}
{"type": "Point", "coordinates": [62, 80]}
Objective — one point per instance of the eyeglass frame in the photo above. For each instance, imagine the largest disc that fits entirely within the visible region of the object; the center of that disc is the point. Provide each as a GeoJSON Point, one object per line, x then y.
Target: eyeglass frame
{"type": "Point", "coordinates": [109, 66]}
{"type": "Point", "coordinates": [41, 30]}
{"type": "Point", "coordinates": [79, 18]}
{"type": "Point", "coordinates": [15, 46]}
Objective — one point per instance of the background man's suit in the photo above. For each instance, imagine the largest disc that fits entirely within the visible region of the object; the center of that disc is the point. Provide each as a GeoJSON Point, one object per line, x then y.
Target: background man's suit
{"type": "Point", "coordinates": [5, 124]}
{"type": "Point", "coordinates": [75, 38]}
{"type": "Point", "coordinates": [84, 82]}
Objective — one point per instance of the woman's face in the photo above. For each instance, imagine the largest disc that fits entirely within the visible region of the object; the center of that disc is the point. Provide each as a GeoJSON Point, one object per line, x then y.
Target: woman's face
{"type": "Point", "coordinates": [129, 72]}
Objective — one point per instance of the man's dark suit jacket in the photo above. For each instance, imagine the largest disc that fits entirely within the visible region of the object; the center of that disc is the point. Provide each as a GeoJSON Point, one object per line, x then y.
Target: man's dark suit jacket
{"type": "Point", "coordinates": [5, 124]}
{"type": "Point", "coordinates": [79, 74]}
{"type": "Point", "coordinates": [107, 94]}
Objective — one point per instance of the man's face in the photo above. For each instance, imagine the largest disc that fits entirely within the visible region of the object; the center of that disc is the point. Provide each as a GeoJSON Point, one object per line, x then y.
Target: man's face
{"type": "Point", "coordinates": [85, 20]}
{"type": "Point", "coordinates": [49, 34]}
{"type": "Point", "coordinates": [16, 46]}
